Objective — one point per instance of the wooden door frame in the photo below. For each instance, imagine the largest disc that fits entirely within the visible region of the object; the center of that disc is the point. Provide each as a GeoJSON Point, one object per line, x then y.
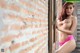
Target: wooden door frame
{"type": "Point", "coordinates": [51, 24]}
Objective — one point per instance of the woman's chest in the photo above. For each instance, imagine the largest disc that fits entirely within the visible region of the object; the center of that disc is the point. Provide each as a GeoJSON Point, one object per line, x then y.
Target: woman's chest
{"type": "Point", "coordinates": [67, 23]}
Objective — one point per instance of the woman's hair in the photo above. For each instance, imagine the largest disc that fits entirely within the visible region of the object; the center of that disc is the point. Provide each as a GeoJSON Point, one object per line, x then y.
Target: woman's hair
{"type": "Point", "coordinates": [63, 14]}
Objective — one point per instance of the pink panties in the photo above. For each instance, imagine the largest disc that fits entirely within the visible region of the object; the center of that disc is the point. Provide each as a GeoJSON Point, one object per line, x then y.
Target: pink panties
{"type": "Point", "coordinates": [70, 37]}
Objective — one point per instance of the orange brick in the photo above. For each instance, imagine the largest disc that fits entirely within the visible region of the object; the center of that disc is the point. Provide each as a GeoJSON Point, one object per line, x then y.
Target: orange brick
{"type": "Point", "coordinates": [14, 46]}
{"type": "Point", "coordinates": [25, 3]}
{"type": "Point", "coordinates": [18, 27]}
{"type": "Point", "coordinates": [32, 39]}
{"type": "Point", "coordinates": [3, 4]}
{"type": "Point", "coordinates": [25, 11]}
{"type": "Point", "coordinates": [7, 38]}
{"type": "Point", "coordinates": [14, 7]}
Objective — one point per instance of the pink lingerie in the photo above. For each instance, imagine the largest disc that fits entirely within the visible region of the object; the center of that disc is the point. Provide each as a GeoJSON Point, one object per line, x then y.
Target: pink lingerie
{"type": "Point", "coordinates": [70, 37]}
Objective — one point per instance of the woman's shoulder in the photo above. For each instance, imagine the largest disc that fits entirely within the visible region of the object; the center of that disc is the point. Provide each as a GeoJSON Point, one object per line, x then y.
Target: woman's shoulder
{"type": "Point", "coordinates": [74, 17]}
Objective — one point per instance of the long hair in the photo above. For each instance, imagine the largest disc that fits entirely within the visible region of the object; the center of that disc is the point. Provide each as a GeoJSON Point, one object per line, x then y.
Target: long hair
{"type": "Point", "coordinates": [63, 14]}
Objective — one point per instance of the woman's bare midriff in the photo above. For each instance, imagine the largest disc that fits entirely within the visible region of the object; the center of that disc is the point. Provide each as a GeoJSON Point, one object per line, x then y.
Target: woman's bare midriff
{"type": "Point", "coordinates": [62, 36]}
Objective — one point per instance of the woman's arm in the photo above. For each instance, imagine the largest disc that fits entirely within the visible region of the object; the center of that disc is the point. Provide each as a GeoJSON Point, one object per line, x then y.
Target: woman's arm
{"type": "Point", "coordinates": [58, 23]}
{"type": "Point", "coordinates": [73, 27]}
{"type": "Point", "coordinates": [65, 31]}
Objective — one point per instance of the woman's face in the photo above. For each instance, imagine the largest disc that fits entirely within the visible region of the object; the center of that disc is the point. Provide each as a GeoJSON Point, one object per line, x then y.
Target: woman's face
{"type": "Point", "coordinates": [69, 9]}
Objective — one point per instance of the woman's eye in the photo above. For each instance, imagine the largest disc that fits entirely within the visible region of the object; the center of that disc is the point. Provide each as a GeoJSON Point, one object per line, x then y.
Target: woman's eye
{"type": "Point", "coordinates": [67, 8]}
{"type": "Point", "coordinates": [70, 7]}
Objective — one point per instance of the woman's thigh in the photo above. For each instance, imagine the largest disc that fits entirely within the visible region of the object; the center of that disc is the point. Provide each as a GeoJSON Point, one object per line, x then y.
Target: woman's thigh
{"type": "Point", "coordinates": [67, 47]}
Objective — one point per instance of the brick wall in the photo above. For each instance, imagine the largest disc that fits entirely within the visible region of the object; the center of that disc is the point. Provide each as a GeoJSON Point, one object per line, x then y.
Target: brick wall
{"type": "Point", "coordinates": [23, 26]}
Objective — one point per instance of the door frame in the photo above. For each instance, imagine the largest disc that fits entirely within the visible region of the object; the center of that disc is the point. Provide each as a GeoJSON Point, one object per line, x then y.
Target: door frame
{"type": "Point", "coordinates": [51, 25]}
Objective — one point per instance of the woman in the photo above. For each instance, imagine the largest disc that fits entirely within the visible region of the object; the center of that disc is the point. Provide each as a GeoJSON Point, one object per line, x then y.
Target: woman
{"type": "Point", "coordinates": [66, 25]}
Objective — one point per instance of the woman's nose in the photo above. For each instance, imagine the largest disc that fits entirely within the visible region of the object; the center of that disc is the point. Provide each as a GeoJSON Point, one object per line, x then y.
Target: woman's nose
{"type": "Point", "coordinates": [69, 10]}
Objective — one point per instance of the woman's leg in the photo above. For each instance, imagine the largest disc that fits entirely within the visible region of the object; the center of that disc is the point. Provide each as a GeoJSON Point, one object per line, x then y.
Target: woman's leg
{"type": "Point", "coordinates": [67, 47]}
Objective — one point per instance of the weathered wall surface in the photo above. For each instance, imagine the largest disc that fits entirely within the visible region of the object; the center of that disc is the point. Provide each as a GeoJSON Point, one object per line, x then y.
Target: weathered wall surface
{"type": "Point", "coordinates": [23, 26]}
